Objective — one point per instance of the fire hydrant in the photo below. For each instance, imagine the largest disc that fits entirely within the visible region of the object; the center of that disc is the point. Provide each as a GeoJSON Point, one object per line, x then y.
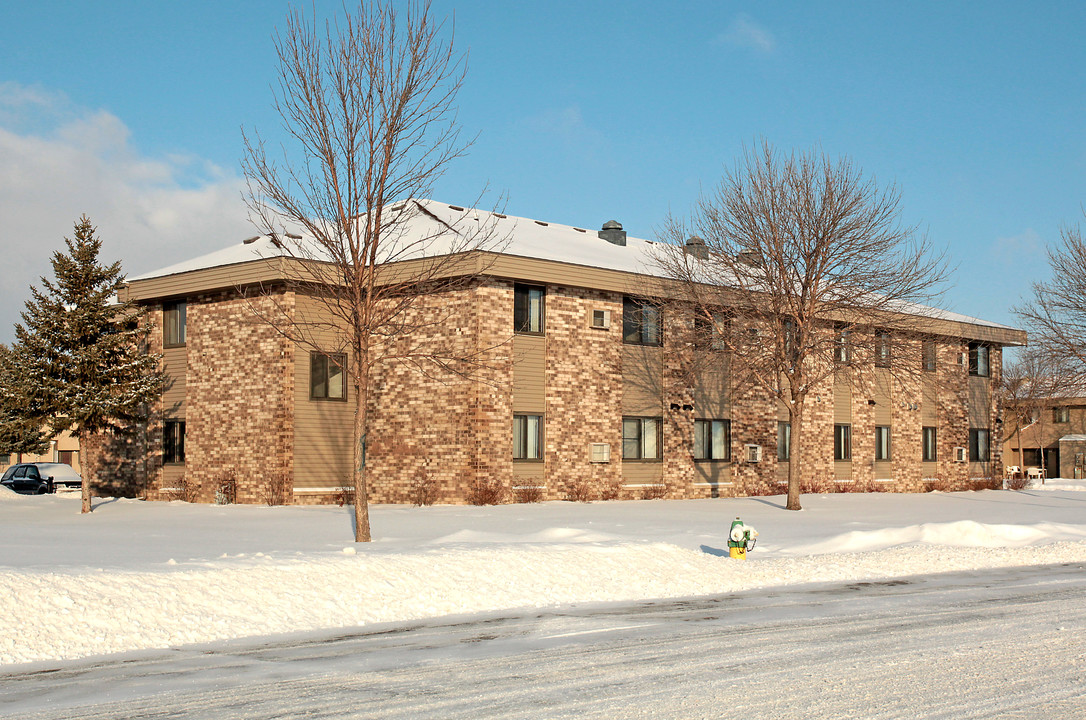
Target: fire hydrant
{"type": "Point", "coordinates": [740, 539]}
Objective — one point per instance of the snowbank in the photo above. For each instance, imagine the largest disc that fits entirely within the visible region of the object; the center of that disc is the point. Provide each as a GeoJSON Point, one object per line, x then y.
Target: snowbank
{"type": "Point", "coordinates": [137, 575]}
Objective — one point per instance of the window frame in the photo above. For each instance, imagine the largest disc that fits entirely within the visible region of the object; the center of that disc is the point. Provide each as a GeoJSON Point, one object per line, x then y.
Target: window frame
{"type": "Point", "coordinates": [635, 329]}
{"type": "Point", "coordinates": [842, 344]}
{"type": "Point", "coordinates": [1061, 414]}
{"type": "Point", "coordinates": [883, 443]}
{"type": "Point", "coordinates": [929, 440]}
{"type": "Point", "coordinates": [522, 308]}
{"type": "Point", "coordinates": [928, 356]}
{"type": "Point", "coordinates": [522, 434]}
{"type": "Point", "coordinates": [975, 448]}
{"type": "Point", "coordinates": [173, 442]}
{"type": "Point", "coordinates": [842, 442]}
{"type": "Point", "coordinates": [975, 354]}
{"type": "Point", "coordinates": [784, 441]}
{"type": "Point", "coordinates": [174, 324]}
{"type": "Point", "coordinates": [641, 438]}
{"type": "Point", "coordinates": [329, 359]}
{"type": "Point", "coordinates": [883, 352]}
{"type": "Point", "coordinates": [709, 425]}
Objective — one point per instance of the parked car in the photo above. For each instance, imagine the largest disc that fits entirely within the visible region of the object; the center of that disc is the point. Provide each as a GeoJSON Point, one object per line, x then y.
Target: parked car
{"type": "Point", "coordinates": [40, 478]}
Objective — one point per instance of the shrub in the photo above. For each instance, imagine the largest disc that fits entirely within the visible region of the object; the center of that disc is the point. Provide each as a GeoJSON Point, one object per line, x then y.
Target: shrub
{"type": "Point", "coordinates": [226, 488]}
{"type": "Point", "coordinates": [277, 488]}
{"type": "Point", "coordinates": [611, 490]}
{"type": "Point", "coordinates": [1019, 483]}
{"type": "Point", "coordinates": [486, 492]}
{"type": "Point", "coordinates": [528, 493]}
{"type": "Point", "coordinates": [653, 491]}
{"type": "Point", "coordinates": [424, 490]}
{"type": "Point", "coordinates": [579, 491]}
{"type": "Point", "coordinates": [186, 489]}
{"type": "Point", "coordinates": [344, 495]}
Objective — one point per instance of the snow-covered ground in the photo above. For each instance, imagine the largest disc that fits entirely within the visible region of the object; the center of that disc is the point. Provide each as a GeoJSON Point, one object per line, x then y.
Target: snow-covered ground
{"type": "Point", "coordinates": [137, 575]}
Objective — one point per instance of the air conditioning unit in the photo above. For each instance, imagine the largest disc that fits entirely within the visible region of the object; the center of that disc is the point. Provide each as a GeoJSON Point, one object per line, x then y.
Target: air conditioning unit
{"type": "Point", "coordinates": [599, 453]}
{"type": "Point", "coordinates": [754, 453]}
{"type": "Point", "coordinates": [601, 319]}
{"type": "Point", "coordinates": [960, 454]}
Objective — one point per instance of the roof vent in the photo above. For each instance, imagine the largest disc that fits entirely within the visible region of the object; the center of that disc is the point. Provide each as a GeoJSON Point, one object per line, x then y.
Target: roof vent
{"type": "Point", "coordinates": [696, 246]}
{"type": "Point", "coordinates": [750, 257]}
{"type": "Point", "coordinates": [613, 233]}
{"type": "Point", "coordinates": [250, 241]}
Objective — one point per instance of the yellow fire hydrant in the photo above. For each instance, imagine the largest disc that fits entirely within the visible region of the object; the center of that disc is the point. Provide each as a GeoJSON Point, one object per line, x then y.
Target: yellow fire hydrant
{"type": "Point", "coordinates": [740, 539]}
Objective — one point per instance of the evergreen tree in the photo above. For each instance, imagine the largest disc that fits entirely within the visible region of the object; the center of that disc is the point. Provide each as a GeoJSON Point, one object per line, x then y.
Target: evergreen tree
{"type": "Point", "coordinates": [20, 424]}
{"type": "Point", "coordinates": [86, 368]}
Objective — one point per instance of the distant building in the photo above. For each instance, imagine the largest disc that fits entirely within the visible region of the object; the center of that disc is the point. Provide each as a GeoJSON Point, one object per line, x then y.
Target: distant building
{"type": "Point", "coordinates": [1052, 438]}
{"type": "Point", "coordinates": [582, 384]}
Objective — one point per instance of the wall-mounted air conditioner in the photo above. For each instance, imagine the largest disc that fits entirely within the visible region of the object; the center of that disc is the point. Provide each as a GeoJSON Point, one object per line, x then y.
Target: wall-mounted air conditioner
{"type": "Point", "coordinates": [601, 319]}
{"type": "Point", "coordinates": [960, 454]}
{"type": "Point", "coordinates": [599, 452]}
{"type": "Point", "coordinates": [754, 453]}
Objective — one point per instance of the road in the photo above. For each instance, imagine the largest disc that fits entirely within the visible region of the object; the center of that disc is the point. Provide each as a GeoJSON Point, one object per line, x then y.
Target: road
{"type": "Point", "coordinates": [1007, 643]}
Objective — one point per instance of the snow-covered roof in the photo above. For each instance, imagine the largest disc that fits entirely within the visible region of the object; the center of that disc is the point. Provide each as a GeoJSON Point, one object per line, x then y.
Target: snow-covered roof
{"type": "Point", "coordinates": [1073, 438]}
{"type": "Point", "coordinates": [514, 236]}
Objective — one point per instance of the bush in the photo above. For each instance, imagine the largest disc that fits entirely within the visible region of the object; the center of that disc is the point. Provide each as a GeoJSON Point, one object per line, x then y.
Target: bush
{"type": "Point", "coordinates": [528, 493]}
{"type": "Point", "coordinates": [579, 491]}
{"type": "Point", "coordinates": [344, 495]}
{"type": "Point", "coordinates": [486, 492]}
{"type": "Point", "coordinates": [277, 488]}
{"type": "Point", "coordinates": [611, 490]}
{"type": "Point", "coordinates": [1019, 483]}
{"type": "Point", "coordinates": [424, 490]}
{"type": "Point", "coordinates": [187, 490]}
{"type": "Point", "coordinates": [226, 488]}
{"type": "Point", "coordinates": [654, 491]}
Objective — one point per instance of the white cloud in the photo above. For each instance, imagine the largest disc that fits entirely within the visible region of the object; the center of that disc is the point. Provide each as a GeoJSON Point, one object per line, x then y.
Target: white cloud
{"type": "Point", "coordinates": [743, 32]}
{"type": "Point", "coordinates": [60, 161]}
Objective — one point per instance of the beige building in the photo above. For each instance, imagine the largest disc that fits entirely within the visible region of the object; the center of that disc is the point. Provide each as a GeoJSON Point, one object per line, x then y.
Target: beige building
{"type": "Point", "coordinates": [62, 449]}
{"type": "Point", "coordinates": [583, 382]}
{"type": "Point", "coordinates": [1051, 441]}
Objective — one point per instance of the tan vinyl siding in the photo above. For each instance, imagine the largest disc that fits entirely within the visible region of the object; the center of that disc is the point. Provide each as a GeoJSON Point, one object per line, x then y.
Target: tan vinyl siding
{"type": "Point", "coordinates": [530, 473]}
{"type": "Point", "coordinates": [842, 470]}
{"type": "Point", "coordinates": [529, 377]}
{"type": "Point", "coordinates": [322, 428]}
{"type": "Point", "coordinates": [642, 373]}
{"type": "Point", "coordinates": [225, 277]}
{"type": "Point", "coordinates": [634, 472]}
{"type": "Point", "coordinates": [881, 395]}
{"type": "Point", "coordinates": [716, 473]}
{"type": "Point", "coordinates": [711, 395]}
{"type": "Point", "coordinates": [980, 402]}
{"type": "Point", "coordinates": [929, 407]}
{"type": "Point", "coordinates": [175, 364]}
{"type": "Point", "coordinates": [171, 475]}
{"type": "Point", "coordinates": [842, 402]}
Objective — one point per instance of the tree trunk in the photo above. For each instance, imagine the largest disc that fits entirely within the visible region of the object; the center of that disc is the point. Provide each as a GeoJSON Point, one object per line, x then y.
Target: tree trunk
{"type": "Point", "coordinates": [361, 423]}
{"type": "Point", "coordinates": [87, 460]}
{"type": "Point", "coordinates": [795, 419]}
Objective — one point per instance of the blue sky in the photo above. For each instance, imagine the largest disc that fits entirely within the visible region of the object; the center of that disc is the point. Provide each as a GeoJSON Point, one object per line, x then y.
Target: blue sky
{"type": "Point", "coordinates": [132, 113]}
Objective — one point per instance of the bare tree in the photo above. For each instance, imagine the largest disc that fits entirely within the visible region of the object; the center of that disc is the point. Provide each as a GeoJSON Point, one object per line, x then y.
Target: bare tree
{"type": "Point", "coordinates": [1027, 387]}
{"type": "Point", "coordinates": [1057, 314]}
{"type": "Point", "coordinates": [369, 104]}
{"type": "Point", "coordinates": [796, 265]}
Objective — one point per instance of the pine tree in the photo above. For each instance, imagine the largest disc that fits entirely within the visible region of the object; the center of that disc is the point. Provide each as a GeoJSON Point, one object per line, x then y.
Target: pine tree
{"type": "Point", "coordinates": [20, 426]}
{"type": "Point", "coordinates": [86, 368]}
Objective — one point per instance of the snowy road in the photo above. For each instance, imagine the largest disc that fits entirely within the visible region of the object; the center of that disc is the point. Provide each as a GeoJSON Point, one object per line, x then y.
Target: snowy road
{"type": "Point", "coordinates": [1004, 643]}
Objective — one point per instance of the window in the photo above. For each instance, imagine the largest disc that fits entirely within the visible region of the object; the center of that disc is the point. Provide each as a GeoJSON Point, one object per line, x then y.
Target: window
{"type": "Point", "coordinates": [5, 459]}
{"type": "Point", "coordinates": [67, 457]}
{"type": "Point", "coordinates": [882, 442]}
{"type": "Point", "coordinates": [784, 441]}
{"type": "Point", "coordinates": [173, 324]}
{"type": "Point", "coordinates": [882, 349]}
{"type": "Point", "coordinates": [528, 308]}
{"type": "Point", "coordinates": [978, 359]}
{"type": "Point", "coordinates": [640, 438]}
{"type": "Point", "coordinates": [327, 376]}
{"type": "Point", "coordinates": [527, 437]}
{"type": "Point", "coordinates": [710, 334]}
{"type": "Point", "coordinates": [173, 441]}
{"type": "Point", "coordinates": [640, 322]}
{"type": "Point", "coordinates": [979, 444]}
{"type": "Point", "coordinates": [841, 348]}
{"type": "Point", "coordinates": [842, 442]}
{"type": "Point", "coordinates": [1061, 414]}
{"type": "Point", "coordinates": [928, 355]}
{"type": "Point", "coordinates": [929, 438]}
{"type": "Point", "coordinates": [712, 439]}
{"type": "Point", "coordinates": [788, 339]}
